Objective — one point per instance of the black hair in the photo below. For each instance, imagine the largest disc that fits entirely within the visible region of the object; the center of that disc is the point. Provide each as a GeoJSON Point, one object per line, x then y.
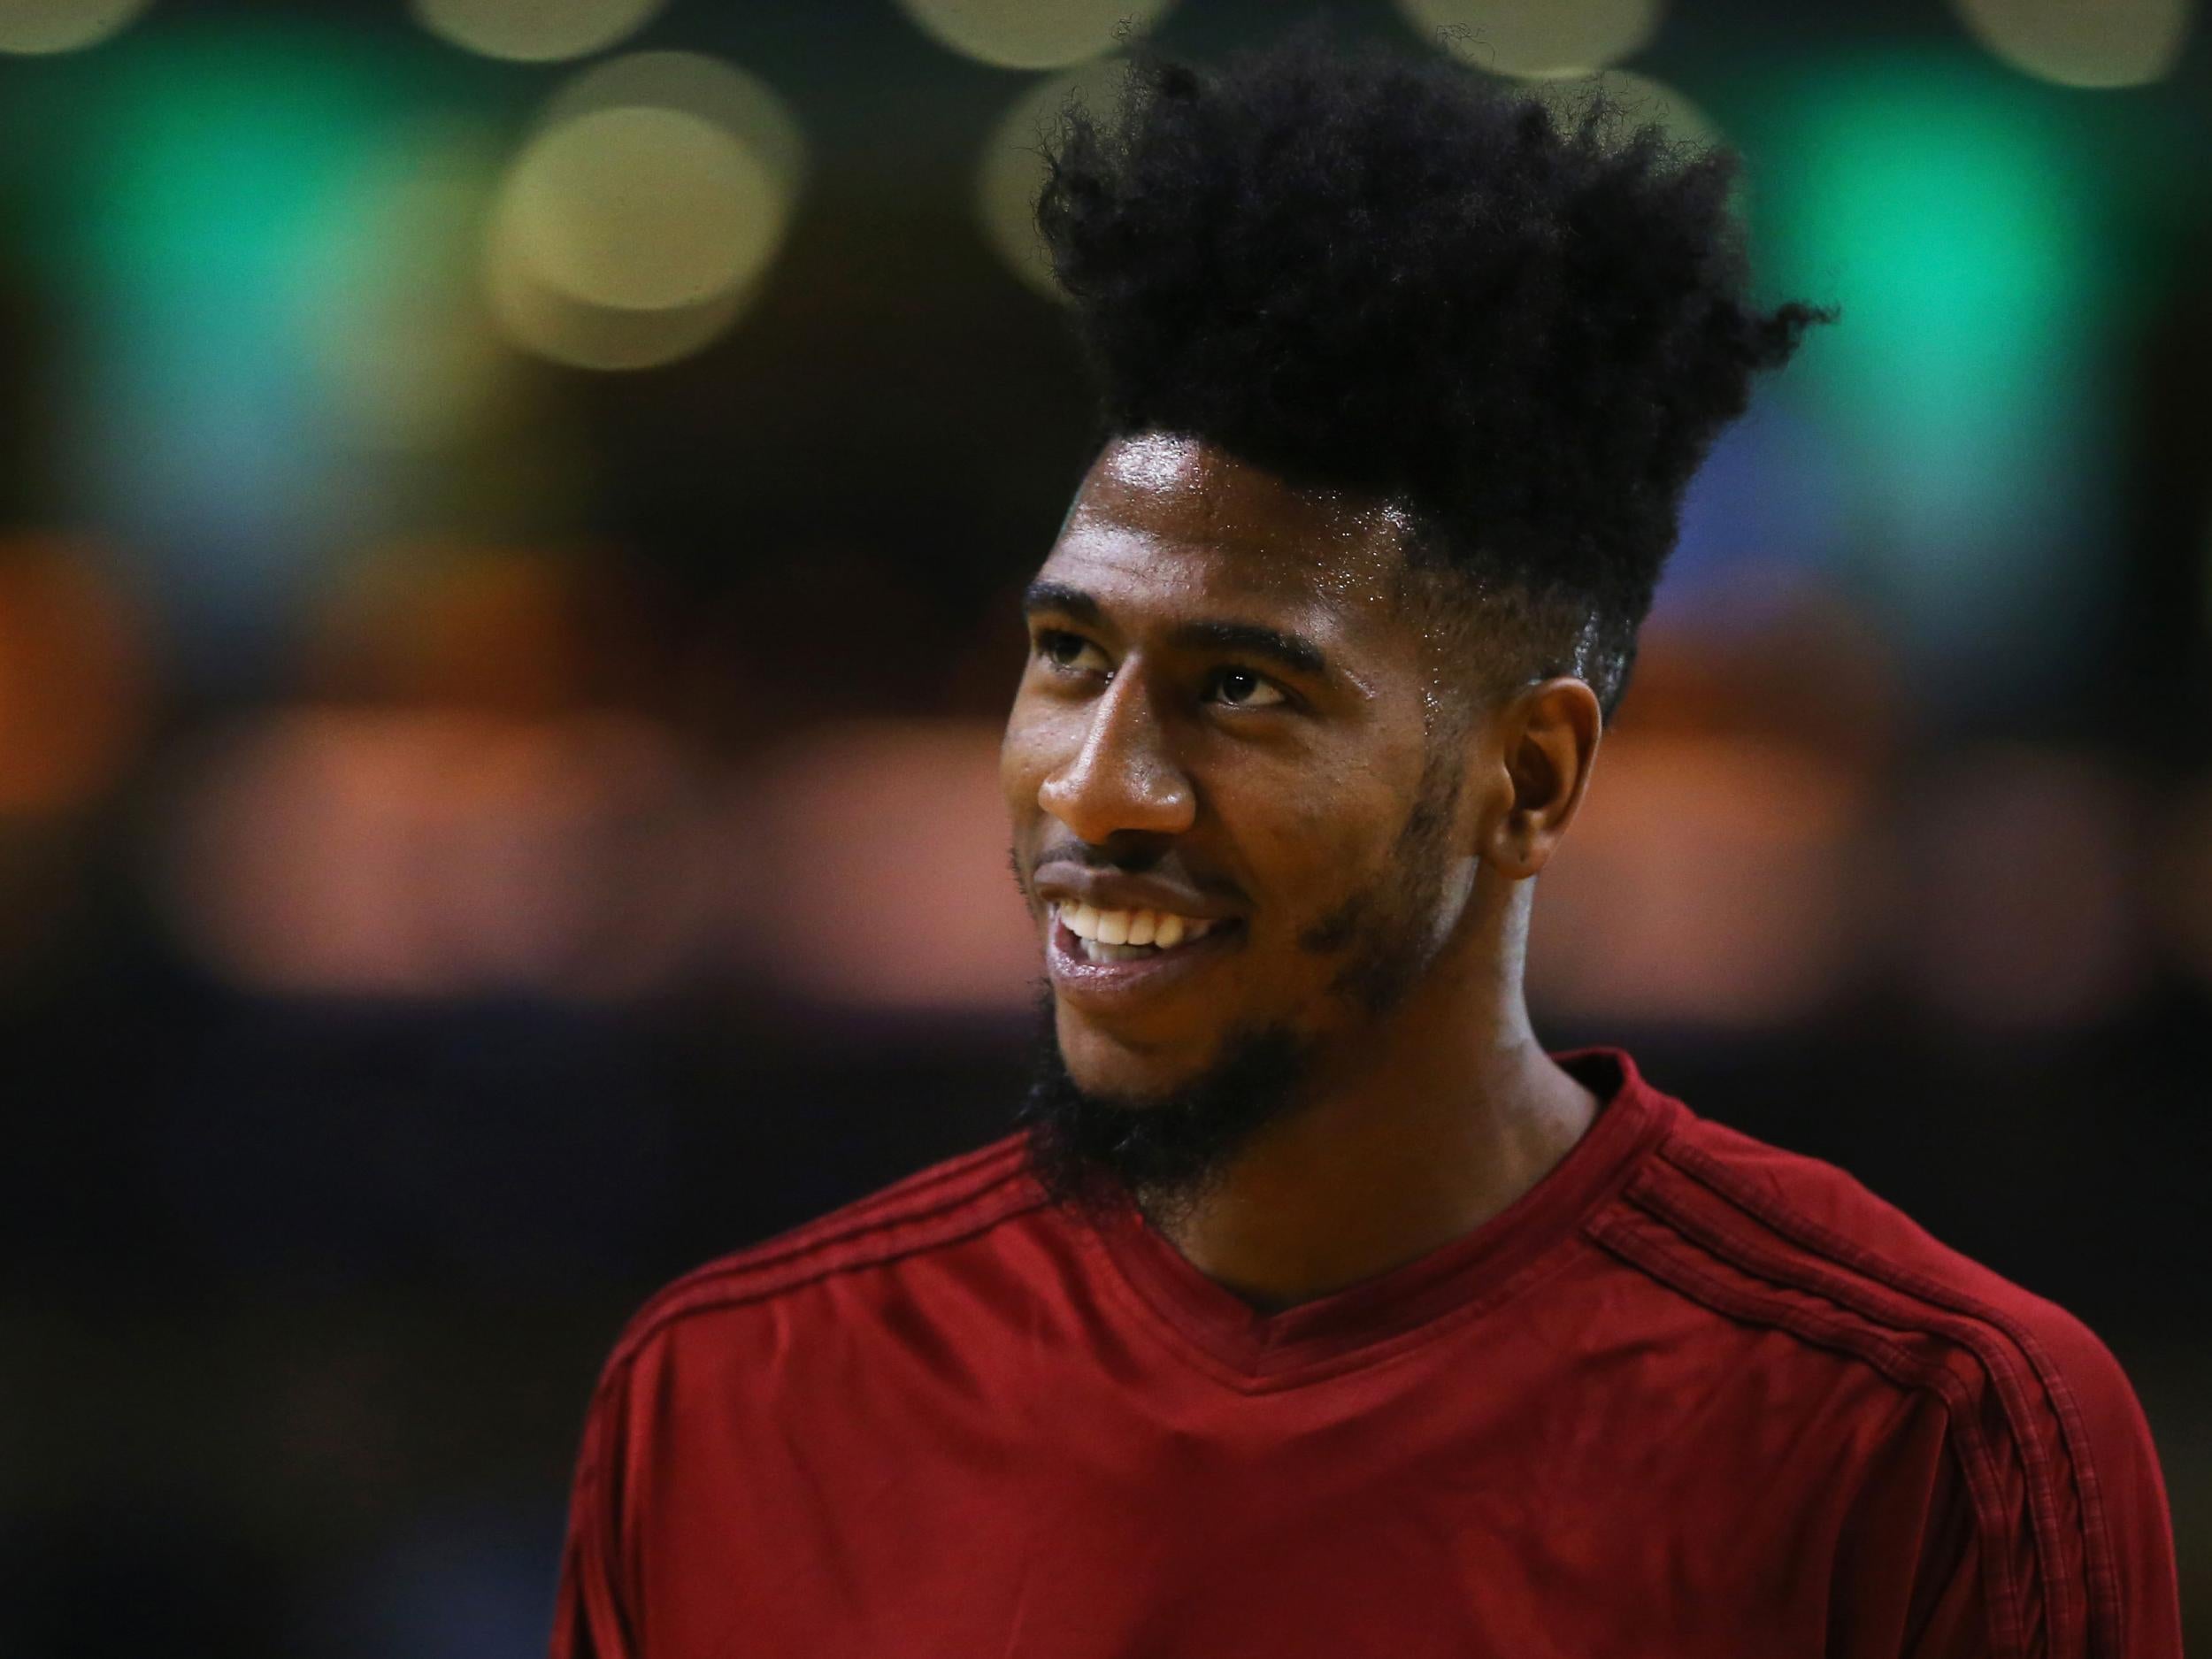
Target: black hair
{"type": "Point", "coordinates": [1399, 276]}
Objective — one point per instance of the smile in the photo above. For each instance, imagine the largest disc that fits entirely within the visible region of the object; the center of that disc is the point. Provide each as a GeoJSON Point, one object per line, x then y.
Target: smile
{"type": "Point", "coordinates": [1106, 960]}
{"type": "Point", "coordinates": [1128, 935]}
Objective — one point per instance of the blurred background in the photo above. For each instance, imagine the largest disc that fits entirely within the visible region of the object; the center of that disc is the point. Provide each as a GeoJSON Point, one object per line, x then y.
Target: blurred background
{"type": "Point", "coordinates": [509, 517]}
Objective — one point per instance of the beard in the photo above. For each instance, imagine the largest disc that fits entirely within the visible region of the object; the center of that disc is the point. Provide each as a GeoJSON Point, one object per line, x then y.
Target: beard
{"type": "Point", "coordinates": [1164, 1153]}
{"type": "Point", "coordinates": [1167, 1153]}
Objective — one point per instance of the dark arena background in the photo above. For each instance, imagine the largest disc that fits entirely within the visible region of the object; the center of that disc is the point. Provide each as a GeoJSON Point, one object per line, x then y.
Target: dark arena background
{"type": "Point", "coordinates": [510, 521]}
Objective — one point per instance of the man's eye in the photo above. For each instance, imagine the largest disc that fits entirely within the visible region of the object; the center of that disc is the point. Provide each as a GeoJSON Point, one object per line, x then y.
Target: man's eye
{"type": "Point", "coordinates": [1072, 652]}
{"type": "Point", "coordinates": [1241, 688]}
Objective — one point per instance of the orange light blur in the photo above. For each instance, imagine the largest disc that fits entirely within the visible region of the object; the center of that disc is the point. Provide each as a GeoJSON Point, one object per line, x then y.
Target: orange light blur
{"type": "Point", "coordinates": [75, 680]}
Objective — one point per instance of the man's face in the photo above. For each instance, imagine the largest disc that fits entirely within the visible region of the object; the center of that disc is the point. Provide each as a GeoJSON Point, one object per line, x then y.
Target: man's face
{"type": "Point", "coordinates": [1231, 717]}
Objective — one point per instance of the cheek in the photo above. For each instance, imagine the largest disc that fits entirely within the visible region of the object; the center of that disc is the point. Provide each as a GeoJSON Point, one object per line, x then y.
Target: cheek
{"type": "Point", "coordinates": [1022, 765]}
{"type": "Point", "coordinates": [1312, 847]}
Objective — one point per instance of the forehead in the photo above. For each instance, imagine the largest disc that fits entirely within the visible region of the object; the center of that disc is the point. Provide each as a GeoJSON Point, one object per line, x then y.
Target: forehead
{"type": "Point", "coordinates": [1175, 522]}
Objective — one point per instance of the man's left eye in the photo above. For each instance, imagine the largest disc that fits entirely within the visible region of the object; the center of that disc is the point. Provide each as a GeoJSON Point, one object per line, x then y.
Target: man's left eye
{"type": "Point", "coordinates": [1068, 651]}
{"type": "Point", "coordinates": [1241, 688]}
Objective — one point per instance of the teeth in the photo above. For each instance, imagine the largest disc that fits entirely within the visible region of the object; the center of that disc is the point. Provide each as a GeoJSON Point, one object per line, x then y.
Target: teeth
{"type": "Point", "coordinates": [1095, 950]}
{"type": "Point", "coordinates": [1118, 935]}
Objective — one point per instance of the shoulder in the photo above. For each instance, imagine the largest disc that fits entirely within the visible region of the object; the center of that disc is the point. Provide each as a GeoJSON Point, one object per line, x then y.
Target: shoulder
{"type": "Point", "coordinates": [1806, 1230]}
{"type": "Point", "coordinates": [913, 1223]}
{"type": "Point", "coordinates": [2043, 1427]}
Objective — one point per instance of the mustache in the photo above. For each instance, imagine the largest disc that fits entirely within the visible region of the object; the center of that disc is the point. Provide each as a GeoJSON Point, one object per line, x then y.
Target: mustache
{"type": "Point", "coordinates": [1132, 861]}
{"type": "Point", "coordinates": [1076, 852]}
{"type": "Point", "coordinates": [1129, 861]}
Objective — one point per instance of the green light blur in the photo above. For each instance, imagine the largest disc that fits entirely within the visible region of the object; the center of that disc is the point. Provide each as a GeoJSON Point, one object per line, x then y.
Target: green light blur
{"type": "Point", "coordinates": [1951, 213]}
{"type": "Point", "coordinates": [195, 173]}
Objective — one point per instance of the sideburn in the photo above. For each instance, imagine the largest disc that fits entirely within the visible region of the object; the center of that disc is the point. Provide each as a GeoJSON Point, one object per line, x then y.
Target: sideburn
{"type": "Point", "coordinates": [1383, 931]}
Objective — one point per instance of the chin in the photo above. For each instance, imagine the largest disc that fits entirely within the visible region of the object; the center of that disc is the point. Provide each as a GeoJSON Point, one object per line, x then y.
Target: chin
{"type": "Point", "coordinates": [1108, 1066]}
{"type": "Point", "coordinates": [1158, 1122]}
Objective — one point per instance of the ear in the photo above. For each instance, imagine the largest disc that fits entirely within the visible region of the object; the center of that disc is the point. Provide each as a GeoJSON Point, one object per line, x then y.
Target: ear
{"type": "Point", "coordinates": [1542, 744]}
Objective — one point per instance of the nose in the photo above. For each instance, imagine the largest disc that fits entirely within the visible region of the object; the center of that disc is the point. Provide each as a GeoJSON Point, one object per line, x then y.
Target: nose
{"type": "Point", "coordinates": [1123, 778]}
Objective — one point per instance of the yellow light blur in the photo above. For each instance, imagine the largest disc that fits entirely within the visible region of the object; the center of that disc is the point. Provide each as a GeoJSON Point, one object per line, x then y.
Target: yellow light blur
{"type": "Point", "coordinates": [63, 26]}
{"type": "Point", "coordinates": [2111, 43]}
{"type": "Point", "coordinates": [1537, 37]}
{"type": "Point", "coordinates": [1013, 168]}
{"type": "Point", "coordinates": [561, 330]}
{"type": "Point", "coordinates": [641, 209]}
{"type": "Point", "coordinates": [643, 212]}
{"type": "Point", "coordinates": [534, 31]}
{"type": "Point", "coordinates": [739, 104]}
{"type": "Point", "coordinates": [1028, 34]}
{"type": "Point", "coordinates": [404, 348]}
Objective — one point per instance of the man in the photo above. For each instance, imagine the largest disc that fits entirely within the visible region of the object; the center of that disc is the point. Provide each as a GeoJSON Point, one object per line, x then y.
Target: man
{"type": "Point", "coordinates": [1316, 1311]}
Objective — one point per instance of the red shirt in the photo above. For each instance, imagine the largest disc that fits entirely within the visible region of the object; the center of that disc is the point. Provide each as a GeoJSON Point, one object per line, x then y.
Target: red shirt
{"type": "Point", "coordinates": [1689, 1396]}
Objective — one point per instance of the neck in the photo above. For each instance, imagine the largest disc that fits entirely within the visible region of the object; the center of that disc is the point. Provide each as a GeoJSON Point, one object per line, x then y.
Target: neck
{"type": "Point", "coordinates": [1416, 1134]}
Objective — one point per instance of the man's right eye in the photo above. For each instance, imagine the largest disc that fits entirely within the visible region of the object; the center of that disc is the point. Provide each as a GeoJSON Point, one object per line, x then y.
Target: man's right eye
{"type": "Point", "coordinates": [1070, 652]}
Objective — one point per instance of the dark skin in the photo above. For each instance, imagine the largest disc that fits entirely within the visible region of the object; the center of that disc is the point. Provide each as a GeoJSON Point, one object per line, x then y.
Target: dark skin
{"type": "Point", "coordinates": [1171, 723]}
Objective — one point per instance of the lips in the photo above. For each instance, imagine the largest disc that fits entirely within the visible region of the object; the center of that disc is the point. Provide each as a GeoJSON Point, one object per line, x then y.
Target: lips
{"type": "Point", "coordinates": [1065, 881]}
{"type": "Point", "coordinates": [1116, 984]}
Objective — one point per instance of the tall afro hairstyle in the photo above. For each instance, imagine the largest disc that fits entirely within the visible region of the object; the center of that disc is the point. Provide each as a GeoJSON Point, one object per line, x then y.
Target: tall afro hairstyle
{"type": "Point", "coordinates": [1398, 277]}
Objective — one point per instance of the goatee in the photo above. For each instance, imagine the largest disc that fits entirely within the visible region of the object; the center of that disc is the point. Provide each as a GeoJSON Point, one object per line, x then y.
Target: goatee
{"type": "Point", "coordinates": [1162, 1153]}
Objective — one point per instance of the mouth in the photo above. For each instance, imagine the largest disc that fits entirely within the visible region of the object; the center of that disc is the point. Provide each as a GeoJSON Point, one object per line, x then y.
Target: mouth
{"type": "Point", "coordinates": [1109, 956]}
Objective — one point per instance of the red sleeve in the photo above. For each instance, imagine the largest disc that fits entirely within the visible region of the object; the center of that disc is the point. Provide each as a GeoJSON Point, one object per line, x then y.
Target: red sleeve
{"type": "Point", "coordinates": [2119, 1564]}
{"type": "Point", "coordinates": [592, 1615]}
{"type": "Point", "coordinates": [2134, 1574]}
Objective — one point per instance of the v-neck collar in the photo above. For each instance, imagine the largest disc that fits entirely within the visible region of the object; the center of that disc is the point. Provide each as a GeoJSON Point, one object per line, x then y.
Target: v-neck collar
{"type": "Point", "coordinates": [1379, 1317]}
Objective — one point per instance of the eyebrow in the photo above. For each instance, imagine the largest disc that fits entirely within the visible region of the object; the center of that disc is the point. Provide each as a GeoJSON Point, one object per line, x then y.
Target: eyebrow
{"type": "Point", "coordinates": [1292, 651]}
{"type": "Point", "coordinates": [1069, 602]}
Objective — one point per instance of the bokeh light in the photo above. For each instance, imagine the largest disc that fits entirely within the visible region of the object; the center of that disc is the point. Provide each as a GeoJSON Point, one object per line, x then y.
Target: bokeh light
{"type": "Point", "coordinates": [716, 91]}
{"type": "Point", "coordinates": [640, 217]}
{"type": "Point", "coordinates": [210, 260]}
{"type": "Point", "coordinates": [410, 360]}
{"type": "Point", "coordinates": [639, 210]}
{"type": "Point", "coordinates": [1025, 35]}
{"type": "Point", "coordinates": [1728, 871]}
{"type": "Point", "coordinates": [442, 853]}
{"type": "Point", "coordinates": [1962, 385]}
{"type": "Point", "coordinates": [884, 833]}
{"type": "Point", "coordinates": [74, 680]}
{"type": "Point", "coordinates": [63, 26]}
{"type": "Point", "coordinates": [1013, 168]}
{"type": "Point", "coordinates": [534, 31]}
{"type": "Point", "coordinates": [1538, 37]}
{"type": "Point", "coordinates": [1712, 882]}
{"type": "Point", "coordinates": [581, 336]}
{"type": "Point", "coordinates": [2111, 43]}
{"type": "Point", "coordinates": [455, 626]}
